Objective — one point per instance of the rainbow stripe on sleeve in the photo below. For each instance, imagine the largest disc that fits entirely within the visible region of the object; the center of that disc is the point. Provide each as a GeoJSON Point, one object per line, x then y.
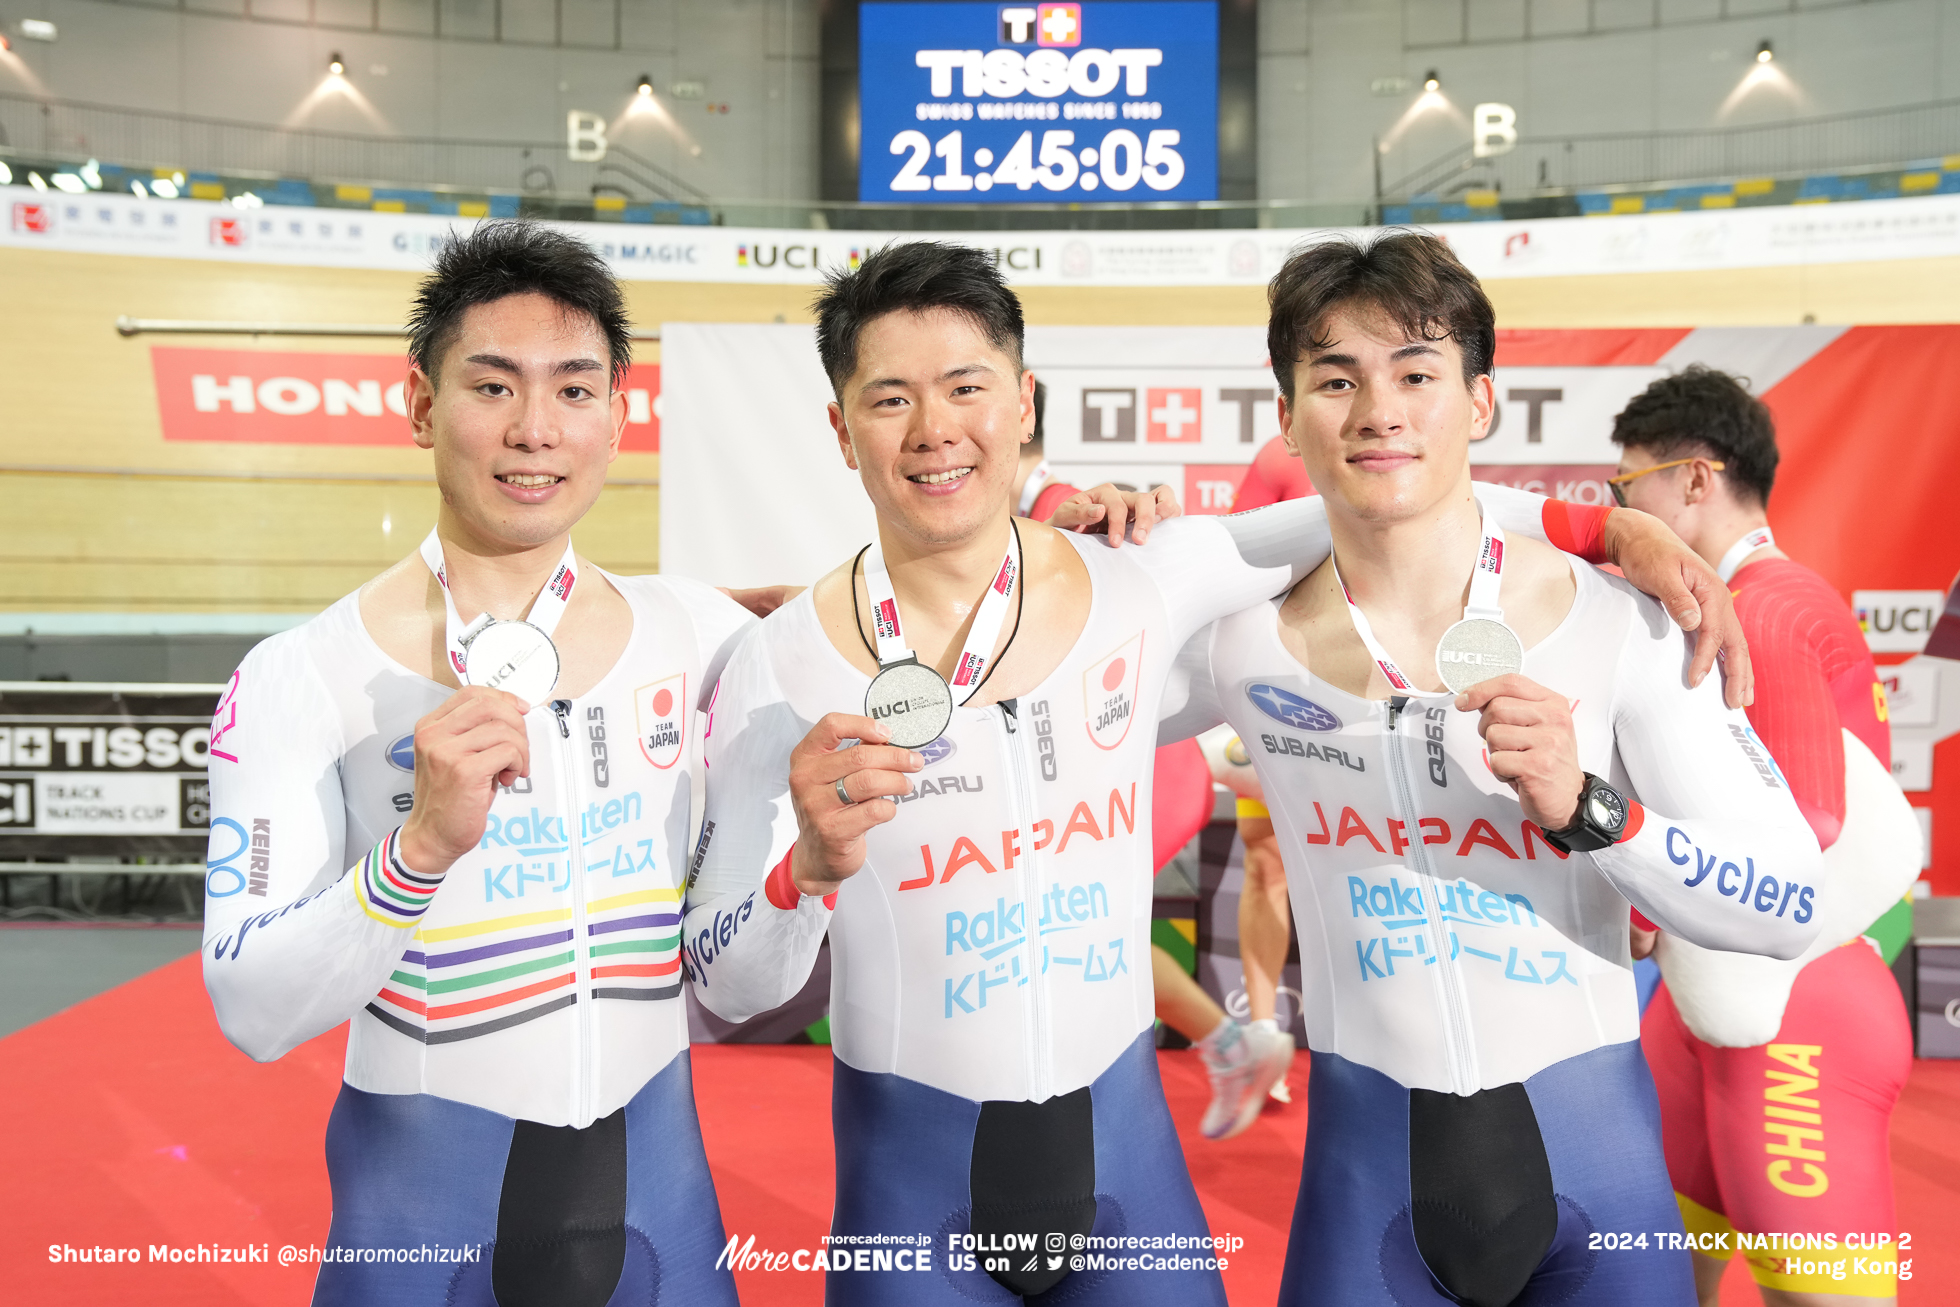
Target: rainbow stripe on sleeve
{"type": "Point", "coordinates": [389, 892]}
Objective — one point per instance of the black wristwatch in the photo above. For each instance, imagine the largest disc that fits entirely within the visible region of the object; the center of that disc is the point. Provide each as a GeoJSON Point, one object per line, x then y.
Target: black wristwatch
{"type": "Point", "coordinates": [1598, 821]}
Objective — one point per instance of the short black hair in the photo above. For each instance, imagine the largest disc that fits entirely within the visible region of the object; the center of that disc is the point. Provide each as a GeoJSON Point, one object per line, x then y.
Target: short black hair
{"type": "Point", "coordinates": [1413, 278]}
{"type": "Point", "coordinates": [916, 276]}
{"type": "Point", "coordinates": [1699, 410]}
{"type": "Point", "coordinates": [1040, 416]}
{"type": "Point", "coordinates": [516, 257]}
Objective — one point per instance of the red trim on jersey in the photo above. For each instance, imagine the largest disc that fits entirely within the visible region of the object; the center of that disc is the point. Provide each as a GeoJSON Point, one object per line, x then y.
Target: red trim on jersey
{"type": "Point", "coordinates": [1050, 499]}
{"type": "Point", "coordinates": [1640, 920]}
{"type": "Point", "coordinates": [1577, 529]}
{"type": "Point", "coordinates": [1636, 815]}
{"type": "Point", "coordinates": [1275, 476]}
{"type": "Point", "coordinates": [781, 890]}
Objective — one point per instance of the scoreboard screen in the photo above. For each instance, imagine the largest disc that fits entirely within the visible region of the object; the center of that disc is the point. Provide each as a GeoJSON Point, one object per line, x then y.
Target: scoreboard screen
{"type": "Point", "coordinates": [1038, 103]}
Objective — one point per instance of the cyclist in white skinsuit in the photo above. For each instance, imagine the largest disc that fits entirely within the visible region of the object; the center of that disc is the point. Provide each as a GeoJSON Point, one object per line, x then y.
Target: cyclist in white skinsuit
{"type": "Point", "coordinates": [991, 1002]}
{"type": "Point", "coordinates": [1480, 1111]}
{"type": "Point", "coordinates": [517, 1088]}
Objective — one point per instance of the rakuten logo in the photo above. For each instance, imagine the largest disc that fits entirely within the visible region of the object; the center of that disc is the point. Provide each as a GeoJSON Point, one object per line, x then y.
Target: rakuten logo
{"type": "Point", "coordinates": [289, 398]}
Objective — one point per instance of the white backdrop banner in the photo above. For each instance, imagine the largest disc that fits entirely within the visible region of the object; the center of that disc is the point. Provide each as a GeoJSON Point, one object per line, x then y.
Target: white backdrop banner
{"type": "Point", "coordinates": [1700, 240]}
{"type": "Point", "coordinates": [753, 490]}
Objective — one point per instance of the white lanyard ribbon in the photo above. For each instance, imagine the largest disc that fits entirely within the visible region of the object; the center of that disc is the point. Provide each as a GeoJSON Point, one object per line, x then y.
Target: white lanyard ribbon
{"type": "Point", "coordinates": [546, 609]}
{"type": "Point", "coordinates": [1483, 605]}
{"type": "Point", "coordinates": [1031, 490]}
{"type": "Point", "coordinates": [980, 637]}
{"type": "Point", "coordinates": [1760, 538]}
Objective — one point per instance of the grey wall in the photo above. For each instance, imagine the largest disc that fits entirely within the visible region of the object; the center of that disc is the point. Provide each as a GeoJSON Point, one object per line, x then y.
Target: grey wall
{"type": "Point", "coordinates": [184, 659]}
{"type": "Point", "coordinates": [1574, 66]}
{"type": "Point", "coordinates": [509, 69]}
{"type": "Point", "coordinates": [465, 69]}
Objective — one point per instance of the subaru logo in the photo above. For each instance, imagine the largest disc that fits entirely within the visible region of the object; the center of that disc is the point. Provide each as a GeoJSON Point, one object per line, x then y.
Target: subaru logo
{"type": "Point", "coordinates": [1289, 709]}
{"type": "Point", "coordinates": [937, 752]}
{"type": "Point", "coordinates": [402, 753]}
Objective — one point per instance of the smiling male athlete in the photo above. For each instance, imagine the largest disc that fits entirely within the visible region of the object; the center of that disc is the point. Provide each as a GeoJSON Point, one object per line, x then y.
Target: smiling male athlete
{"type": "Point", "coordinates": [490, 889]}
{"type": "Point", "coordinates": [1460, 865]}
{"type": "Point", "coordinates": [991, 1003]}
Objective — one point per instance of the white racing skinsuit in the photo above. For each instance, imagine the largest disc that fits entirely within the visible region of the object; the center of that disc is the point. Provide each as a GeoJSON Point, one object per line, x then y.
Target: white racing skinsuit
{"type": "Point", "coordinates": [516, 1079]}
{"type": "Point", "coordinates": [990, 985]}
{"type": "Point", "coordinates": [1480, 1112]}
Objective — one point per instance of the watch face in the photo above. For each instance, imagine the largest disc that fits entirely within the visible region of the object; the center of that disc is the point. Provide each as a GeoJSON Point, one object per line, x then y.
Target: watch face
{"type": "Point", "coordinates": [1606, 809]}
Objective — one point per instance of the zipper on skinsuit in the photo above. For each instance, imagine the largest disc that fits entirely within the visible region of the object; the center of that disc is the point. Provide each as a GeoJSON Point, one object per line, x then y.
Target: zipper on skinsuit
{"type": "Point", "coordinates": [1456, 1018]}
{"type": "Point", "coordinates": [1040, 1069]}
{"type": "Point", "coordinates": [582, 1072]}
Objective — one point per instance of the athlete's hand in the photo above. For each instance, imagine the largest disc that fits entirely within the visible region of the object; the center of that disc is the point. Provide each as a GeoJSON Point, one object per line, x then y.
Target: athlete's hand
{"type": "Point", "coordinates": [1530, 745]}
{"type": "Point", "coordinates": [1108, 510]}
{"type": "Point", "coordinates": [829, 832]}
{"type": "Point", "coordinates": [763, 599]}
{"type": "Point", "coordinates": [464, 750]}
{"type": "Point", "coordinates": [1695, 596]}
{"type": "Point", "coordinates": [1641, 942]}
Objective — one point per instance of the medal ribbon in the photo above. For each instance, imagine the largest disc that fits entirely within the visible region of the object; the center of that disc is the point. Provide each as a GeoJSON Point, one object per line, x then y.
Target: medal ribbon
{"type": "Point", "coordinates": [980, 637]}
{"type": "Point", "coordinates": [546, 609]}
{"type": "Point", "coordinates": [1760, 538]}
{"type": "Point", "coordinates": [1484, 586]}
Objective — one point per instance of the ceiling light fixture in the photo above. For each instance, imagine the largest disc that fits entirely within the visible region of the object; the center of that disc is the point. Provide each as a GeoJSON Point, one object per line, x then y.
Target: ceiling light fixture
{"type": "Point", "coordinates": [38, 29]}
{"type": "Point", "coordinates": [334, 64]}
{"type": "Point", "coordinates": [645, 87]}
{"type": "Point", "coordinates": [1764, 53]}
{"type": "Point", "coordinates": [1432, 82]}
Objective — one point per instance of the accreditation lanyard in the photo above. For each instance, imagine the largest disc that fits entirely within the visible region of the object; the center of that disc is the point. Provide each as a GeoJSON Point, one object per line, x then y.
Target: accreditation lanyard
{"type": "Point", "coordinates": [1760, 538]}
{"type": "Point", "coordinates": [546, 609]}
{"type": "Point", "coordinates": [980, 637]}
{"type": "Point", "coordinates": [1483, 606]}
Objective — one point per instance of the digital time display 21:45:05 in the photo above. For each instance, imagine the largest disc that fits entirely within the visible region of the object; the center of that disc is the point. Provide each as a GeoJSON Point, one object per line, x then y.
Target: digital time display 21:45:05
{"type": "Point", "coordinates": [1031, 103]}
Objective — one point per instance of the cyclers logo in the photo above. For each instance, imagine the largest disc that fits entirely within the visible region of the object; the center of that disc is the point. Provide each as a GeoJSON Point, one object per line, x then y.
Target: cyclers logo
{"type": "Point", "coordinates": [661, 711]}
{"type": "Point", "coordinates": [1289, 709]}
{"type": "Point", "coordinates": [708, 943]}
{"type": "Point", "coordinates": [1109, 693]}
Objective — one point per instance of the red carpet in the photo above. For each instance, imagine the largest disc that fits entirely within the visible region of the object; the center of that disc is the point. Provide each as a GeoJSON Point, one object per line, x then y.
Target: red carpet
{"type": "Point", "coordinates": [134, 1123]}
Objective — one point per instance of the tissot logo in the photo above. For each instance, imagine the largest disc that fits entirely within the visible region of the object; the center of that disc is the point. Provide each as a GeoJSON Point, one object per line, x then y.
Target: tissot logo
{"type": "Point", "coordinates": [1109, 415]}
{"type": "Point", "coordinates": [1017, 24]}
{"type": "Point", "coordinates": [1058, 25]}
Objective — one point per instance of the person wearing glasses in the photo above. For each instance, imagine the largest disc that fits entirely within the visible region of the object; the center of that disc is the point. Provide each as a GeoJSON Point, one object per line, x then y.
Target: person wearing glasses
{"type": "Point", "coordinates": [1826, 1033]}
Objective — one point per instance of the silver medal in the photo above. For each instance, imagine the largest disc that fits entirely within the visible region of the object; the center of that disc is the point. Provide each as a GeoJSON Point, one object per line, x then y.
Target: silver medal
{"type": "Point", "coordinates": [1476, 650]}
{"type": "Point", "coordinates": [513, 656]}
{"type": "Point", "coordinates": [911, 701]}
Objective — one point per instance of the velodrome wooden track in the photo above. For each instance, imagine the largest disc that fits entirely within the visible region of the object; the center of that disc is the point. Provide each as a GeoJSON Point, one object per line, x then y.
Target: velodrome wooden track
{"type": "Point", "coordinates": [131, 1122]}
{"type": "Point", "coordinates": [74, 395]}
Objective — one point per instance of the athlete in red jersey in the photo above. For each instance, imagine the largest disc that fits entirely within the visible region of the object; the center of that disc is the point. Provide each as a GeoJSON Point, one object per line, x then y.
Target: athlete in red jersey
{"type": "Point", "coordinates": [1789, 1135]}
{"type": "Point", "coordinates": [1243, 1061]}
{"type": "Point", "coordinates": [1275, 475]}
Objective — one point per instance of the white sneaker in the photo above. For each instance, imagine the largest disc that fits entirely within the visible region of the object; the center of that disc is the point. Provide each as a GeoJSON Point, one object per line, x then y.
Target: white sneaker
{"type": "Point", "coordinates": [1244, 1062]}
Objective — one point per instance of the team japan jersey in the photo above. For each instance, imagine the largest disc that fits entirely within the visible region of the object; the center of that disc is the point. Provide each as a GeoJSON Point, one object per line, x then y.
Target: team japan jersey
{"type": "Point", "coordinates": [1448, 945]}
{"type": "Point", "coordinates": [540, 976]}
{"type": "Point", "coordinates": [995, 944]}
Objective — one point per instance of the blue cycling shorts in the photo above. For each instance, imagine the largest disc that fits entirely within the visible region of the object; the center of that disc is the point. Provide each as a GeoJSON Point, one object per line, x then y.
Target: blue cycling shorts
{"type": "Point", "coordinates": [413, 1170]}
{"type": "Point", "coordinates": [904, 1155]}
{"type": "Point", "coordinates": [1353, 1239]}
